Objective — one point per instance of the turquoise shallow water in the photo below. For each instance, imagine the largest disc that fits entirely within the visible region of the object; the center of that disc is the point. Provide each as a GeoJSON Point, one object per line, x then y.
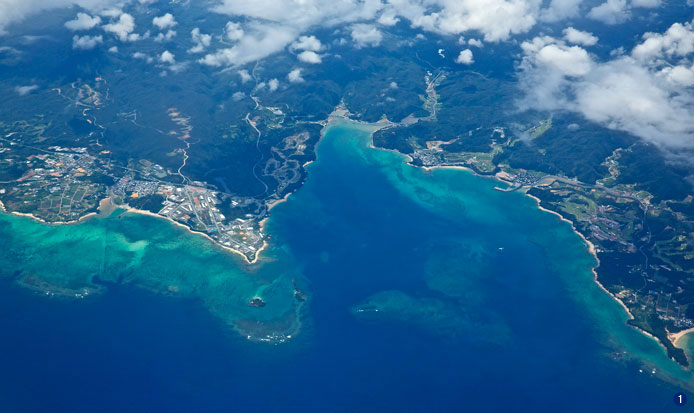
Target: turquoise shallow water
{"type": "Point", "coordinates": [429, 291]}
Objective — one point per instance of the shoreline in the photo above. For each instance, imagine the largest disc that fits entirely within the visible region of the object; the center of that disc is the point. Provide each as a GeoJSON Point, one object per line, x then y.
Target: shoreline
{"type": "Point", "coordinates": [333, 119]}
{"type": "Point", "coordinates": [675, 337]}
{"type": "Point", "coordinates": [593, 252]}
{"type": "Point", "coordinates": [3, 209]}
{"type": "Point", "coordinates": [262, 223]}
{"type": "Point", "coordinates": [107, 201]}
{"type": "Point", "coordinates": [192, 231]}
{"type": "Point", "coordinates": [590, 247]}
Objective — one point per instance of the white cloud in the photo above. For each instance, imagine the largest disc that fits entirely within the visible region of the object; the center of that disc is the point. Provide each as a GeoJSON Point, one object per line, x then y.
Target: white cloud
{"type": "Point", "coordinates": [677, 41]}
{"type": "Point", "coordinates": [579, 37]}
{"type": "Point", "coordinates": [309, 43]}
{"type": "Point", "coordinates": [83, 21]}
{"type": "Point", "coordinates": [86, 42]}
{"type": "Point", "coordinates": [113, 49]}
{"type": "Point", "coordinates": [164, 22]}
{"type": "Point", "coordinates": [142, 56]}
{"type": "Point", "coordinates": [680, 75]}
{"type": "Point", "coordinates": [570, 61]}
{"type": "Point", "coordinates": [650, 4]}
{"type": "Point", "coordinates": [366, 35]}
{"type": "Point", "coordinates": [25, 90]}
{"type": "Point", "coordinates": [245, 76]}
{"type": "Point", "coordinates": [112, 12]}
{"type": "Point", "coordinates": [273, 84]}
{"type": "Point", "coordinates": [560, 10]}
{"type": "Point", "coordinates": [165, 37]}
{"type": "Point", "coordinates": [475, 42]}
{"type": "Point", "coordinates": [465, 57]}
{"type": "Point", "coordinates": [493, 20]}
{"type": "Point", "coordinates": [295, 76]}
{"type": "Point", "coordinates": [123, 28]}
{"type": "Point", "coordinates": [260, 41]}
{"type": "Point", "coordinates": [202, 41]}
{"type": "Point", "coordinates": [302, 14]}
{"type": "Point", "coordinates": [556, 57]}
{"type": "Point", "coordinates": [388, 18]}
{"type": "Point", "coordinates": [310, 57]}
{"type": "Point", "coordinates": [14, 11]}
{"type": "Point", "coordinates": [233, 31]}
{"type": "Point", "coordinates": [167, 57]}
{"type": "Point", "coordinates": [611, 12]}
{"type": "Point", "coordinates": [647, 93]}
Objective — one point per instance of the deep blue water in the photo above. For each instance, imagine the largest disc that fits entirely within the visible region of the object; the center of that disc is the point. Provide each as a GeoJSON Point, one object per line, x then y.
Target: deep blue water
{"type": "Point", "coordinates": [354, 233]}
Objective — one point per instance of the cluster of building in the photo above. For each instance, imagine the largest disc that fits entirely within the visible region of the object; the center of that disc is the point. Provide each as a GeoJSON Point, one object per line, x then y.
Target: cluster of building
{"type": "Point", "coordinates": [59, 184]}
{"type": "Point", "coordinates": [524, 178]}
{"type": "Point", "coordinates": [129, 187]}
{"type": "Point", "coordinates": [55, 185]}
{"type": "Point", "coordinates": [198, 208]}
{"type": "Point", "coordinates": [428, 157]}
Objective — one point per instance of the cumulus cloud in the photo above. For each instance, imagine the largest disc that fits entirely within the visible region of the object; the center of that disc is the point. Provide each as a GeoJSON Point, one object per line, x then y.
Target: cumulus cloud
{"type": "Point", "coordinates": [123, 28]}
{"type": "Point", "coordinates": [650, 4]}
{"type": "Point", "coordinates": [465, 57]}
{"type": "Point", "coordinates": [142, 56]}
{"type": "Point", "coordinates": [83, 21]}
{"type": "Point", "coordinates": [618, 11]}
{"type": "Point", "coordinates": [259, 41]}
{"type": "Point", "coordinates": [647, 93]}
{"type": "Point", "coordinates": [475, 42]}
{"type": "Point", "coordinates": [233, 31]}
{"type": "Point", "coordinates": [579, 37]}
{"type": "Point", "coordinates": [202, 41]}
{"type": "Point", "coordinates": [677, 41]}
{"type": "Point", "coordinates": [164, 22]}
{"type": "Point", "coordinates": [310, 57]}
{"type": "Point", "coordinates": [388, 18]}
{"type": "Point", "coordinates": [14, 11]}
{"type": "Point", "coordinates": [611, 12]}
{"type": "Point", "coordinates": [302, 14]}
{"type": "Point", "coordinates": [167, 57]}
{"type": "Point", "coordinates": [111, 12]}
{"type": "Point", "coordinates": [560, 9]}
{"type": "Point", "coordinates": [86, 42]}
{"type": "Point", "coordinates": [309, 43]}
{"type": "Point", "coordinates": [273, 84]}
{"type": "Point", "coordinates": [308, 46]}
{"type": "Point", "coordinates": [165, 37]}
{"type": "Point", "coordinates": [245, 76]}
{"type": "Point", "coordinates": [547, 52]}
{"type": "Point", "coordinates": [680, 75]}
{"type": "Point", "coordinates": [494, 20]}
{"type": "Point", "coordinates": [366, 35]}
{"type": "Point", "coordinates": [25, 90]}
{"type": "Point", "coordinates": [295, 76]}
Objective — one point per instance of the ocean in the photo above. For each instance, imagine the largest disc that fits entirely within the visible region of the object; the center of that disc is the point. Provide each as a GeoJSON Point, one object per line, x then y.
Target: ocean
{"type": "Point", "coordinates": [428, 291]}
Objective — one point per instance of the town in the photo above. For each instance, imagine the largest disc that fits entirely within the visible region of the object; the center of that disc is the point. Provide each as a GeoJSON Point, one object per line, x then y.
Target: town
{"type": "Point", "coordinates": [64, 184]}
